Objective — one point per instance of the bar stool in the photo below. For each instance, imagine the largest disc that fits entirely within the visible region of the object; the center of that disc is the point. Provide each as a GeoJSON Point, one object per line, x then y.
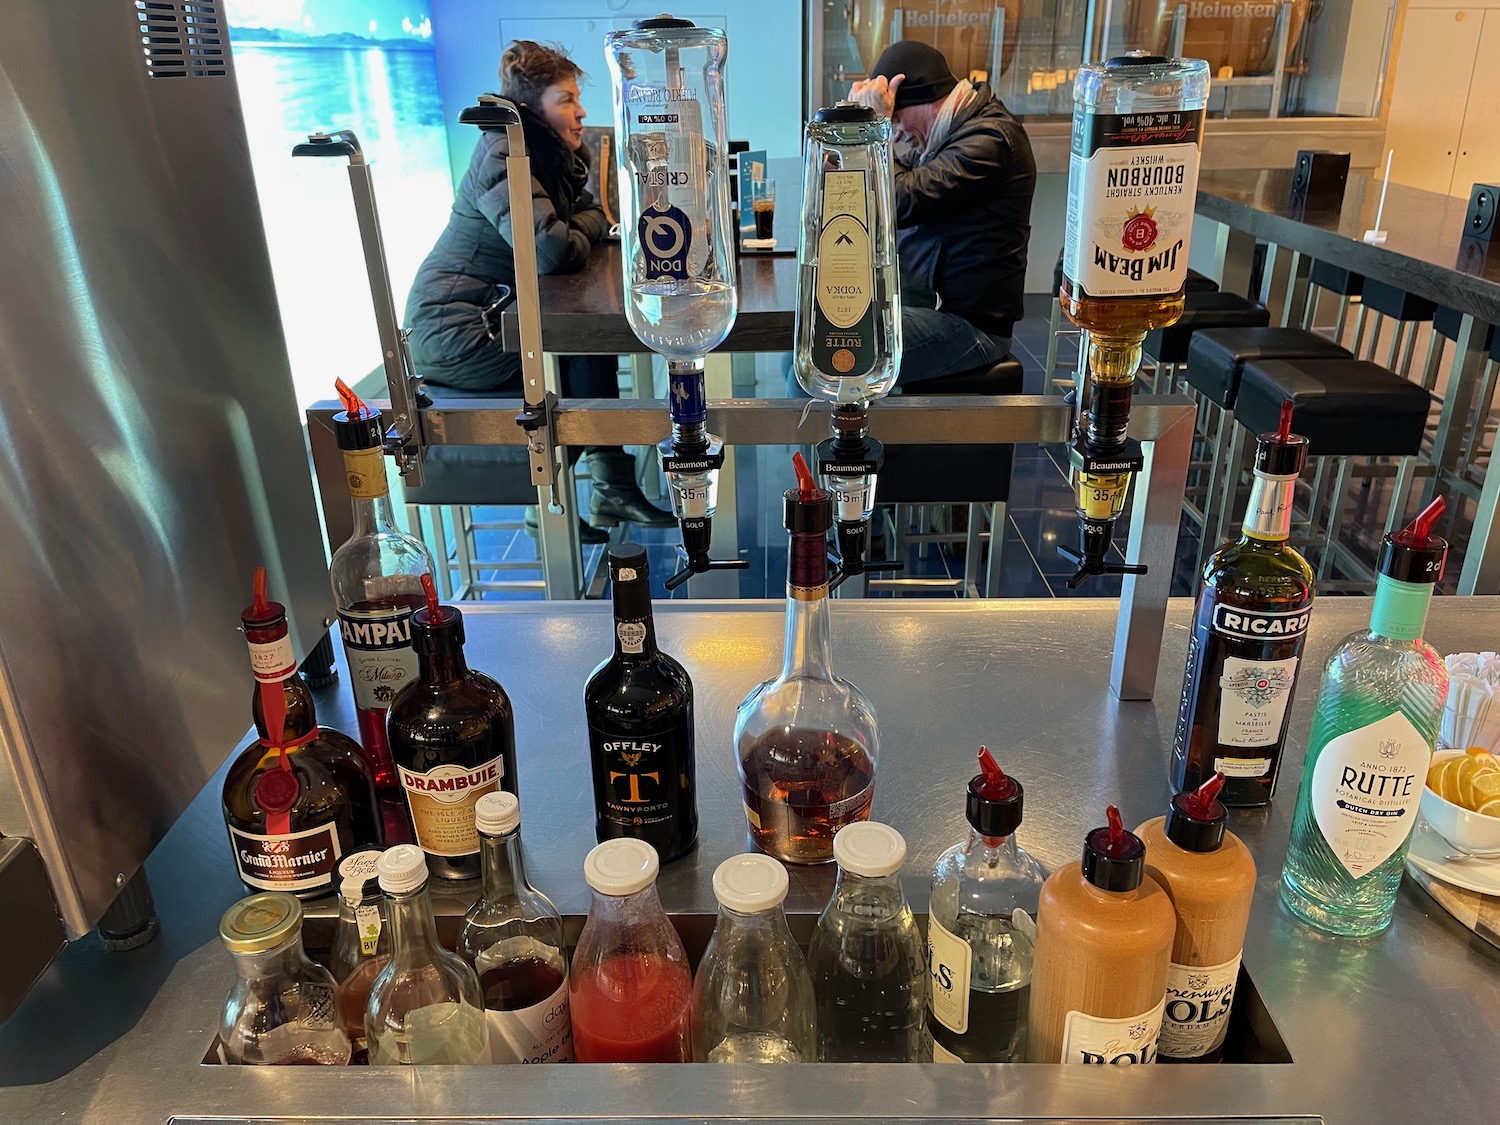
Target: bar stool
{"type": "Point", "coordinates": [1325, 278]}
{"type": "Point", "coordinates": [1169, 346]}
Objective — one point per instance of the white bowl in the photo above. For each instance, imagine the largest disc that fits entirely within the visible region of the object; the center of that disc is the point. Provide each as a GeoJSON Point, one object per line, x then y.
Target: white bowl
{"type": "Point", "coordinates": [1470, 831]}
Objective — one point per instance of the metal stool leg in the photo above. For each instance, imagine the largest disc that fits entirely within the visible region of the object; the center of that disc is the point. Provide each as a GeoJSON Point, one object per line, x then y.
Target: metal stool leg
{"type": "Point", "coordinates": [973, 545]}
{"type": "Point", "coordinates": [1335, 513]}
{"type": "Point", "coordinates": [1226, 501]}
{"type": "Point", "coordinates": [1359, 329]}
{"type": "Point", "coordinates": [992, 567]}
{"type": "Point", "coordinates": [1400, 493]}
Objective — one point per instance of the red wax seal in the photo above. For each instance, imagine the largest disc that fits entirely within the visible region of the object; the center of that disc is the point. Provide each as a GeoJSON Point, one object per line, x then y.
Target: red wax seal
{"type": "Point", "coordinates": [276, 790]}
{"type": "Point", "coordinates": [1140, 232]}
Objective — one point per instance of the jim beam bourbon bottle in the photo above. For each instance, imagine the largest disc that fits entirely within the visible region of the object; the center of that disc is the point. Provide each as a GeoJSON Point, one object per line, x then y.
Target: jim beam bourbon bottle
{"type": "Point", "coordinates": [1248, 632]}
{"type": "Point", "coordinates": [453, 738]}
{"type": "Point", "coordinates": [298, 797]}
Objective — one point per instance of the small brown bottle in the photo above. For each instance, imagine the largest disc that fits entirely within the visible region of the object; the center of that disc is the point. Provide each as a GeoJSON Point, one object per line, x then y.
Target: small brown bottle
{"type": "Point", "coordinates": [453, 737]}
{"type": "Point", "coordinates": [1103, 944]}
{"type": "Point", "coordinates": [1210, 877]}
{"type": "Point", "coordinates": [300, 796]}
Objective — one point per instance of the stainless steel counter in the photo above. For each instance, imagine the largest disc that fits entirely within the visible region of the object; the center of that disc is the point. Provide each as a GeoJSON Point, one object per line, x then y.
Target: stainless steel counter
{"type": "Point", "coordinates": [1404, 1028]}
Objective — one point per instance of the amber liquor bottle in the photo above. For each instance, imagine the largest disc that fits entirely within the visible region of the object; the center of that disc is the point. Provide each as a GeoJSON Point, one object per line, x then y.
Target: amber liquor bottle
{"type": "Point", "coordinates": [453, 739]}
{"type": "Point", "coordinates": [639, 705]}
{"type": "Point", "coordinates": [377, 584]}
{"type": "Point", "coordinates": [299, 797]}
{"type": "Point", "coordinates": [1248, 631]}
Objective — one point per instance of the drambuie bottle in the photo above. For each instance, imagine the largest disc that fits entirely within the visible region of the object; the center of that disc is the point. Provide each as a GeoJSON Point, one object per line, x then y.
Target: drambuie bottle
{"type": "Point", "coordinates": [452, 734]}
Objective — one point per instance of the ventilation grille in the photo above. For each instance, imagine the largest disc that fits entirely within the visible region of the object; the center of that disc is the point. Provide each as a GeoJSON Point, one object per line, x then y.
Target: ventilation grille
{"type": "Point", "coordinates": [181, 39]}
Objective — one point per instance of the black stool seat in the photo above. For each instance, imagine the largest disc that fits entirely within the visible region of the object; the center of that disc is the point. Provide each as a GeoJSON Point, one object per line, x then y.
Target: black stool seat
{"type": "Point", "coordinates": [1217, 356]}
{"type": "Point", "coordinates": [1195, 283]}
{"type": "Point", "coordinates": [1203, 310]}
{"type": "Point", "coordinates": [1344, 407]}
{"type": "Point", "coordinates": [1446, 322]}
{"type": "Point", "coordinates": [1336, 279]}
{"type": "Point", "coordinates": [1393, 301]}
{"type": "Point", "coordinates": [953, 474]}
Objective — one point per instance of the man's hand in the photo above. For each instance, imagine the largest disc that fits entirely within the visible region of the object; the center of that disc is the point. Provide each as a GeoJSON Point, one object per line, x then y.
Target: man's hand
{"type": "Point", "coordinates": [877, 93]}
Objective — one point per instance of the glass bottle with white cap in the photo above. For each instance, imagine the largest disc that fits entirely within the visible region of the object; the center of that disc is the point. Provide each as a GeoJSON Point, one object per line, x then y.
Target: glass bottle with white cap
{"type": "Point", "coordinates": [631, 987]}
{"type": "Point", "coordinates": [514, 939]}
{"type": "Point", "coordinates": [361, 943]}
{"type": "Point", "coordinates": [868, 962]}
{"type": "Point", "coordinates": [282, 1009]}
{"type": "Point", "coordinates": [752, 997]}
{"type": "Point", "coordinates": [425, 1006]}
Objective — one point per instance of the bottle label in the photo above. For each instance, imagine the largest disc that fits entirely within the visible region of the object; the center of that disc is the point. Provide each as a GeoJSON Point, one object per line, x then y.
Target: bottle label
{"type": "Point", "coordinates": [365, 469]}
{"type": "Point", "coordinates": [1260, 625]}
{"type": "Point", "coordinates": [1132, 187]}
{"type": "Point", "coordinates": [541, 1033]}
{"type": "Point", "coordinates": [1400, 609]}
{"type": "Point", "coordinates": [939, 1055]}
{"type": "Point", "coordinates": [273, 661]}
{"type": "Point", "coordinates": [1102, 1042]}
{"type": "Point", "coordinates": [632, 636]}
{"type": "Point", "coordinates": [381, 659]}
{"type": "Point", "coordinates": [442, 804]}
{"type": "Point", "coordinates": [1196, 1017]}
{"type": "Point", "coordinates": [291, 861]}
{"type": "Point", "coordinates": [1253, 698]}
{"type": "Point", "coordinates": [666, 235]}
{"type": "Point", "coordinates": [637, 783]}
{"type": "Point", "coordinates": [843, 331]}
{"type": "Point", "coordinates": [949, 960]}
{"type": "Point", "coordinates": [1269, 514]}
{"type": "Point", "coordinates": [1365, 789]}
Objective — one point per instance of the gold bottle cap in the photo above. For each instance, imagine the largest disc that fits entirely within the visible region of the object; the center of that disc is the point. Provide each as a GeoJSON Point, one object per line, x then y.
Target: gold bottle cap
{"type": "Point", "coordinates": [260, 922]}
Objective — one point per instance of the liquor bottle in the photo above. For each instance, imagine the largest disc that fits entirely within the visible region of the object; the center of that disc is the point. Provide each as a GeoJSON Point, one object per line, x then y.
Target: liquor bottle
{"type": "Point", "coordinates": [425, 1005]}
{"type": "Point", "coordinates": [299, 796]}
{"type": "Point", "coordinates": [631, 987]}
{"type": "Point", "coordinates": [1103, 946]}
{"type": "Point", "coordinates": [1248, 632]}
{"type": "Point", "coordinates": [1373, 732]}
{"type": "Point", "coordinates": [639, 705]}
{"type": "Point", "coordinates": [1210, 877]}
{"type": "Point", "coordinates": [361, 943]}
{"type": "Point", "coordinates": [513, 937]}
{"type": "Point", "coordinates": [752, 995]}
{"type": "Point", "coordinates": [453, 739]}
{"type": "Point", "coordinates": [377, 583]}
{"type": "Point", "coordinates": [867, 960]}
{"type": "Point", "coordinates": [806, 741]}
{"type": "Point", "coordinates": [981, 929]}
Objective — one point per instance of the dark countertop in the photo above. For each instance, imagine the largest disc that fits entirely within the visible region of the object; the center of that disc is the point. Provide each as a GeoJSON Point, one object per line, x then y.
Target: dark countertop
{"type": "Point", "coordinates": [1424, 251]}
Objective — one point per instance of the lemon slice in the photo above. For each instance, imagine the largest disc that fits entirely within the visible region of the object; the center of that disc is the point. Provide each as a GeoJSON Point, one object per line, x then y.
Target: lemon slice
{"type": "Point", "coordinates": [1486, 785]}
{"type": "Point", "coordinates": [1440, 770]}
{"type": "Point", "coordinates": [1483, 757]}
{"type": "Point", "coordinates": [1450, 781]}
{"type": "Point", "coordinates": [1490, 808]}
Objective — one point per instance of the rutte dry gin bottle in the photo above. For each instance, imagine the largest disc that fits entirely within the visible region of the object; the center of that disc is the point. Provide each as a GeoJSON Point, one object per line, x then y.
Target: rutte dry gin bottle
{"type": "Point", "coordinates": [639, 705]}
{"type": "Point", "coordinates": [1248, 633]}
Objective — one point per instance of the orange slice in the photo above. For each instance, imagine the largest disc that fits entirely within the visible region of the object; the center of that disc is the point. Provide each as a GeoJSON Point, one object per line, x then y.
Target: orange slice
{"type": "Point", "coordinates": [1450, 790]}
{"type": "Point", "coordinates": [1483, 757]}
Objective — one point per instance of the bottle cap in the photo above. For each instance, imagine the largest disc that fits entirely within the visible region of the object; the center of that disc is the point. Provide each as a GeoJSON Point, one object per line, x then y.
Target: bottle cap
{"type": "Point", "coordinates": [662, 21]}
{"type": "Point", "coordinates": [627, 563]}
{"type": "Point", "coordinates": [1196, 819]}
{"type": "Point", "coordinates": [1136, 58]}
{"type": "Point", "coordinates": [750, 883]}
{"type": "Point", "coordinates": [1415, 554]}
{"type": "Point", "coordinates": [260, 922]}
{"type": "Point", "coordinates": [359, 875]}
{"type": "Point", "coordinates": [357, 426]}
{"type": "Point", "coordinates": [435, 626]}
{"type": "Point", "coordinates": [1282, 453]}
{"type": "Point", "coordinates": [844, 113]}
{"type": "Point", "coordinates": [994, 804]}
{"type": "Point", "coordinates": [868, 848]}
{"type": "Point", "coordinates": [621, 867]}
{"type": "Point", "coordinates": [1113, 859]}
{"type": "Point", "coordinates": [497, 814]}
{"type": "Point", "coordinates": [402, 869]}
{"type": "Point", "coordinates": [809, 509]}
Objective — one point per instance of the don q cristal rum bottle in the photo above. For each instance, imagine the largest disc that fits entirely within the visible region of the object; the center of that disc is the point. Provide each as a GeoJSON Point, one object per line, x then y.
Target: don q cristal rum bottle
{"type": "Point", "coordinates": [1373, 732]}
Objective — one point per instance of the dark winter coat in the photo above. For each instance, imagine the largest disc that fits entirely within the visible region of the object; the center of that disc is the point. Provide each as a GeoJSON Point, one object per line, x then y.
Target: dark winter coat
{"type": "Point", "coordinates": [450, 341]}
{"type": "Point", "coordinates": [963, 218]}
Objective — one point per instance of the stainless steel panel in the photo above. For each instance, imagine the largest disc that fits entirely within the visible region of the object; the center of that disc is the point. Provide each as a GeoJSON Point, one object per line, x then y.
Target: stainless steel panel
{"type": "Point", "coordinates": [33, 932]}
{"type": "Point", "coordinates": [153, 453]}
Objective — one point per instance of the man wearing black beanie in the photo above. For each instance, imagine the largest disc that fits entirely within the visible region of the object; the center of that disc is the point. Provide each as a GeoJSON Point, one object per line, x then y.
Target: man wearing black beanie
{"type": "Point", "coordinates": [963, 210]}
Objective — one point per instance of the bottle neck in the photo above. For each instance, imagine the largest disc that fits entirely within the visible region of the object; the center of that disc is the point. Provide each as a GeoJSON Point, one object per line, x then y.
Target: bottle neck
{"type": "Point", "coordinates": [882, 893]}
{"type": "Point", "coordinates": [809, 648]}
{"type": "Point", "coordinates": [1400, 609]}
{"type": "Point", "coordinates": [1268, 516]}
{"type": "Point", "coordinates": [501, 866]}
{"type": "Point", "coordinates": [374, 516]}
{"type": "Point", "coordinates": [635, 624]}
{"type": "Point", "coordinates": [627, 910]}
{"type": "Point", "coordinates": [273, 962]}
{"type": "Point", "coordinates": [440, 659]}
{"type": "Point", "coordinates": [284, 713]}
{"type": "Point", "coordinates": [369, 491]}
{"type": "Point", "coordinates": [413, 931]}
{"type": "Point", "coordinates": [992, 851]}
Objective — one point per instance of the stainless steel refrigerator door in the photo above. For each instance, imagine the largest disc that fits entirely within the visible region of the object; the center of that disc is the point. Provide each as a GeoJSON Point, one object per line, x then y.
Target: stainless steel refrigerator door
{"type": "Point", "coordinates": [152, 448]}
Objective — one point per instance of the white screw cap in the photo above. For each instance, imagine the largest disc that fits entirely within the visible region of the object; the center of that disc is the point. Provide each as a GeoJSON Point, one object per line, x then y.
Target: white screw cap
{"type": "Point", "coordinates": [496, 814]}
{"type": "Point", "coordinates": [750, 883]}
{"type": "Point", "coordinates": [869, 849]}
{"type": "Point", "coordinates": [621, 867]}
{"type": "Point", "coordinates": [402, 869]}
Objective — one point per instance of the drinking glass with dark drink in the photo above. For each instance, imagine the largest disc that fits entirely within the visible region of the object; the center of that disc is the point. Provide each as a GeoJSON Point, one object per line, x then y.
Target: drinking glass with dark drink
{"type": "Point", "coordinates": [763, 206]}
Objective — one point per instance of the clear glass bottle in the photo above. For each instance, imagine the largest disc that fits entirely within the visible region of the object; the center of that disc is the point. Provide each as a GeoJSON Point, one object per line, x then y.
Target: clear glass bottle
{"type": "Point", "coordinates": [630, 990]}
{"type": "Point", "coordinates": [425, 1006]}
{"type": "Point", "coordinates": [1373, 734]}
{"type": "Point", "coordinates": [377, 582]}
{"type": "Point", "coordinates": [361, 943]}
{"type": "Point", "coordinates": [981, 929]}
{"type": "Point", "coordinates": [806, 741]}
{"type": "Point", "coordinates": [282, 1009]}
{"type": "Point", "coordinates": [848, 332]}
{"type": "Point", "coordinates": [867, 960]}
{"type": "Point", "coordinates": [513, 937]}
{"type": "Point", "coordinates": [752, 995]}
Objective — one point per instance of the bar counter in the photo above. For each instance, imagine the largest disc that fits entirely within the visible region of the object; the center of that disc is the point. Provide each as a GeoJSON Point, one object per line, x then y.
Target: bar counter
{"type": "Point", "coordinates": [1404, 1028]}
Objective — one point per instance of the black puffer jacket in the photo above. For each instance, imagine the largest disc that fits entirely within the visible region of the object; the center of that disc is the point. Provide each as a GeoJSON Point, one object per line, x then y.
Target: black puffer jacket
{"type": "Point", "coordinates": [963, 218]}
{"type": "Point", "coordinates": [457, 282]}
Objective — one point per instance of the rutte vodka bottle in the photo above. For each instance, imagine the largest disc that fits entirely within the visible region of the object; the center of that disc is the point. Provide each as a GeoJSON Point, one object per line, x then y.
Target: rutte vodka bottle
{"type": "Point", "coordinates": [377, 583]}
{"type": "Point", "coordinates": [1372, 737]}
{"type": "Point", "coordinates": [1248, 633]}
{"type": "Point", "coordinates": [639, 705]}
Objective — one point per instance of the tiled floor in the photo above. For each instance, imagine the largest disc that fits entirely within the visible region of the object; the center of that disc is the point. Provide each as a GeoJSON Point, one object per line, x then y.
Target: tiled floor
{"type": "Point", "coordinates": [1040, 516]}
